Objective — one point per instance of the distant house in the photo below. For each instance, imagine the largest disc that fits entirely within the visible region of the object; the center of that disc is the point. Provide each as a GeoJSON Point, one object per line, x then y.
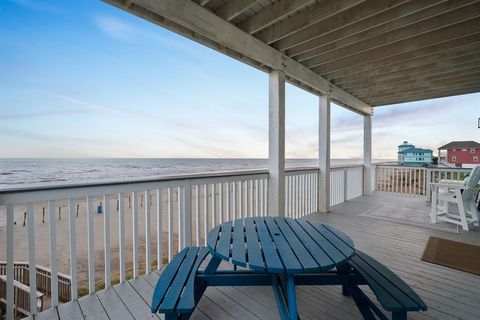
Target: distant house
{"type": "Point", "coordinates": [461, 153]}
{"type": "Point", "coordinates": [408, 154]}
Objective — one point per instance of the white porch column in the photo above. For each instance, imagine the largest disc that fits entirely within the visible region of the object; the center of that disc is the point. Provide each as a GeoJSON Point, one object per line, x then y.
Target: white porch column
{"type": "Point", "coordinates": [324, 154]}
{"type": "Point", "coordinates": [367, 154]}
{"type": "Point", "coordinates": [276, 144]}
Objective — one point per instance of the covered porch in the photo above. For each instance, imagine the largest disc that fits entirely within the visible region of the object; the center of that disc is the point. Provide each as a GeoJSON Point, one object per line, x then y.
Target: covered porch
{"type": "Point", "coordinates": [450, 294]}
{"type": "Point", "coordinates": [357, 54]}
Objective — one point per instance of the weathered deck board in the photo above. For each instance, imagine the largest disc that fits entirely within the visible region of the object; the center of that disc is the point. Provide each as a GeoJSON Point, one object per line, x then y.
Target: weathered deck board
{"type": "Point", "coordinates": [449, 294]}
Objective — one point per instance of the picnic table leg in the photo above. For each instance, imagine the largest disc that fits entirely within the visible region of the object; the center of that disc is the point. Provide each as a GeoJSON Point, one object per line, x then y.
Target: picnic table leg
{"type": "Point", "coordinates": [212, 267]}
{"type": "Point", "coordinates": [280, 298]}
{"type": "Point", "coordinates": [284, 290]}
{"type": "Point", "coordinates": [291, 297]}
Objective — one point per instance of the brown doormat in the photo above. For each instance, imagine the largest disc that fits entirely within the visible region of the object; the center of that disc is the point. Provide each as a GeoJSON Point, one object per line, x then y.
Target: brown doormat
{"type": "Point", "coordinates": [453, 254]}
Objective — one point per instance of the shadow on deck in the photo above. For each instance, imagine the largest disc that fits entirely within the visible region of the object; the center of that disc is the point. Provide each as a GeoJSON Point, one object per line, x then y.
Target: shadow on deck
{"type": "Point", "coordinates": [449, 294]}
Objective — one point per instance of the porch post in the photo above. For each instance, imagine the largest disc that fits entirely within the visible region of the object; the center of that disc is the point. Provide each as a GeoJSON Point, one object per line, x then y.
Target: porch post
{"type": "Point", "coordinates": [324, 154]}
{"type": "Point", "coordinates": [276, 144]}
{"type": "Point", "coordinates": [367, 154]}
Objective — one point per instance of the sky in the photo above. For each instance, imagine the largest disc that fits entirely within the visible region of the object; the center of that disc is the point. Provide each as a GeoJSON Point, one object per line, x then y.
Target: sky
{"type": "Point", "coordinates": [85, 79]}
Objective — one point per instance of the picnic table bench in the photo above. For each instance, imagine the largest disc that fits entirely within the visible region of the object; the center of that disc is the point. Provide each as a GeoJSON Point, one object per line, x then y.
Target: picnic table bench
{"type": "Point", "coordinates": [282, 253]}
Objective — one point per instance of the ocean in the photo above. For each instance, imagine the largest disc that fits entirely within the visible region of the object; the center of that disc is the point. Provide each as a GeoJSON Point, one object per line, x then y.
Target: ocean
{"type": "Point", "coordinates": [21, 172]}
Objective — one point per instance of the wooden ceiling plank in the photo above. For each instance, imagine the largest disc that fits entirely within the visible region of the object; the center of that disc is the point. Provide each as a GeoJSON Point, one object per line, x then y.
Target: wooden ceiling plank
{"type": "Point", "coordinates": [374, 92]}
{"type": "Point", "coordinates": [233, 8]}
{"type": "Point", "coordinates": [303, 19]}
{"type": "Point", "coordinates": [448, 65]}
{"type": "Point", "coordinates": [446, 47]}
{"type": "Point", "coordinates": [424, 96]}
{"type": "Point", "coordinates": [348, 22]}
{"type": "Point", "coordinates": [433, 78]}
{"type": "Point", "coordinates": [272, 14]}
{"type": "Point", "coordinates": [424, 40]}
{"type": "Point", "coordinates": [386, 21]}
{"type": "Point", "coordinates": [446, 55]}
{"type": "Point", "coordinates": [357, 43]}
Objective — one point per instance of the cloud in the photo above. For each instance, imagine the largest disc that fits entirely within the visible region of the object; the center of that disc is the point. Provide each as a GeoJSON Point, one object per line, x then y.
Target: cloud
{"type": "Point", "coordinates": [40, 6]}
{"type": "Point", "coordinates": [32, 115]}
{"type": "Point", "coordinates": [122, 30]}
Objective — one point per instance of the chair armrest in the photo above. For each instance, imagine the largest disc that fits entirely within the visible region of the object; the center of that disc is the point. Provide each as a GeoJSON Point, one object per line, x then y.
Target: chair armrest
{"type": "Point", "coordinates": [449, 185]}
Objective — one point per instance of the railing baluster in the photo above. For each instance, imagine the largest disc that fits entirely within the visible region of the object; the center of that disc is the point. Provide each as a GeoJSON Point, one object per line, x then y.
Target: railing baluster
{"type": "Point", "coordinates": [121, 235]}
{"type": "Point", "coordinates": [31, 259]}
{"type": "Point", "coordinates": [10, 257]}
{"type": "Point", "coordinates": [197, 215]}
{"type": "Point", "coordinates": [170, 224]}
{"type": "Point", "coordinates": [245, 199]}
{"type": "Point", "coordinates": [251, 198]}
{"type": "Point", "coordinates": [240, 204]}
{"type": "Point", "coordinates": [213, 206]}
{"type": "Point", "coordinates": [134, 204]}
{"type": "Point", "coordinates": [234, 200]}
{"type": "Point", "coordinates": [227, 201]}
{"type": "Point", "coordinates": [256, 198]}
{"type": "Point", "coordinates": [220, 201]}
{"type": "Point", "coordinates": [73, 249]}
{"type": "Point", "coordinates": [106, 238]}
{"type": "Point", "coordinates": [159, 229]}
{"type": "Point", "coordinates": [265, 197]}
{"type": "Point", "coordinates": [53, 250]}
{"type": "Point", "coordinates": [180, 220]}
{"type": "Point", "coordinates": [148, 239]}
{"type": "Point", "coordinates": [205, 212]}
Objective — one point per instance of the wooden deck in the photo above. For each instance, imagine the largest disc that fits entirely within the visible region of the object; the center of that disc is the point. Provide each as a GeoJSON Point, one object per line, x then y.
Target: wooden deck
{"type": "Point", "coordinates": [449, 294]}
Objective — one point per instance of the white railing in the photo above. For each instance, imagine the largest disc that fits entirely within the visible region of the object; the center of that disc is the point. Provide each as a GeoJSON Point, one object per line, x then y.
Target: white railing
{"type": "Point", "coordinates": [414, 180]}
{"type": "Point", "coordinates": [184, 209]}
{"type": "Point", "coordinates": [301, 192]}
{"type": "Point", "coordinates": [346, 183]}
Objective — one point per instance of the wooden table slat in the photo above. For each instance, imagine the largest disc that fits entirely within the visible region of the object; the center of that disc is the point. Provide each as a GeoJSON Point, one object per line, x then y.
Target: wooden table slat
{"type": "Point", "coordinates": [255, 258]}
{"type": "Point", "coordinates": [292, 265]}
{"type": "Point", "coordinates": [334, 239]}
{"type": "Point", "coordinates": [332, 251]}
{"type": "Point", "coordinates": [274, 264]}
{"type": "Point", "coordinates": [175, 290]}
{"type": "Point", "coordinates": [225, 240]}
{"type": "Point", "coordinates": [308, 263]}
{"type": "Point", "coordinates": [320, 256]}
{"type": "Point", "coordinates": [238, 244]}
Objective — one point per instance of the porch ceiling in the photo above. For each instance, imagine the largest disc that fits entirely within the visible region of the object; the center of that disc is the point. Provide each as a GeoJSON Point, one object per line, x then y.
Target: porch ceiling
{"type": "Point", "coordinates": [361, 52]}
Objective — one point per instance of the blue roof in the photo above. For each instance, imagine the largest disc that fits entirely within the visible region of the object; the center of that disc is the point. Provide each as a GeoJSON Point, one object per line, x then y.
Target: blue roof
{"type": "Point", "coordinates": [411, 150]}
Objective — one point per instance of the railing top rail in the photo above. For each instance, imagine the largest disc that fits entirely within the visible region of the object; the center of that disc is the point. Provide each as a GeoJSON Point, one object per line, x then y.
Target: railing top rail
{"type": "Point", "coordinates": [420, 167]}
{"type": "Point", "coordinates": [158, 179]}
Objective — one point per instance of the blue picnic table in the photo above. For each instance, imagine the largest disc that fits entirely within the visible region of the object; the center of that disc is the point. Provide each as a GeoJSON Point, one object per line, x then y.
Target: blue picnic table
{"type": "Point", "coordinates": [282, 253]}
{"type": "Point", "coordinates": [283, 248]}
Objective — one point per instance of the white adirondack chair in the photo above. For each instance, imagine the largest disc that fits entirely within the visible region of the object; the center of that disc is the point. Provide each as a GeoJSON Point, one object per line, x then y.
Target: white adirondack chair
{"type": "Point", "coordinates": [455, 202]}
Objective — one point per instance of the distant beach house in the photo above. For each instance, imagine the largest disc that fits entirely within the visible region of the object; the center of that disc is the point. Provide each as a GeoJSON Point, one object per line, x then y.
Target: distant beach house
{"type": "Point", "coordinates": [461, 153]}
{"type": "Point", "coordinates": [408, 154]}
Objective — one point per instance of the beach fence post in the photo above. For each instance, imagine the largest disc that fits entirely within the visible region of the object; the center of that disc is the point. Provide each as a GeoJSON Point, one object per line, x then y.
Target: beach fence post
{"type": "Point", "coordinates": [43, 215]}
{"type": "Point", "coordinates": [78, 209]}
{"type": "Point", "coordinates": [60, 213]}
{"type": "Point", "coordinates": [24, 218]}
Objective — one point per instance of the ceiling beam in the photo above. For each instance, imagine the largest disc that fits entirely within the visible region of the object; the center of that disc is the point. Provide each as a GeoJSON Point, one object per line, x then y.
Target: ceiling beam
{"type": "Point", "coordinates": [449, 46]}
{"type": "Point", "coordinates": [233, 8]}
{"type": "Point", "coordinates": [424, 96]}
{"type": "Point", "coordinates": [302, 51]}
{"type": "Point", "coordinates": [346, 22]}
{"type": "Point", "coordinates": [365, 42]}
{"type": "Point", "coordinates": [420, 84]}
{"type": "Point", "coordinates": [372, 74]}
{"type": "Point", "coordinates": [402, 46]}
{"type": "Point", "coordinates": [314, 14]}
{"type": "Point", "coordinates": [425, 92]}
{"type": "Point", "coordinates": [428, 79]}
{"type": "Point", "coordinates": [450, 65]}
{"type": "Point", "coordinates": [197, 23]}
{"type": "Point", "coordinates": [271, 14]}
